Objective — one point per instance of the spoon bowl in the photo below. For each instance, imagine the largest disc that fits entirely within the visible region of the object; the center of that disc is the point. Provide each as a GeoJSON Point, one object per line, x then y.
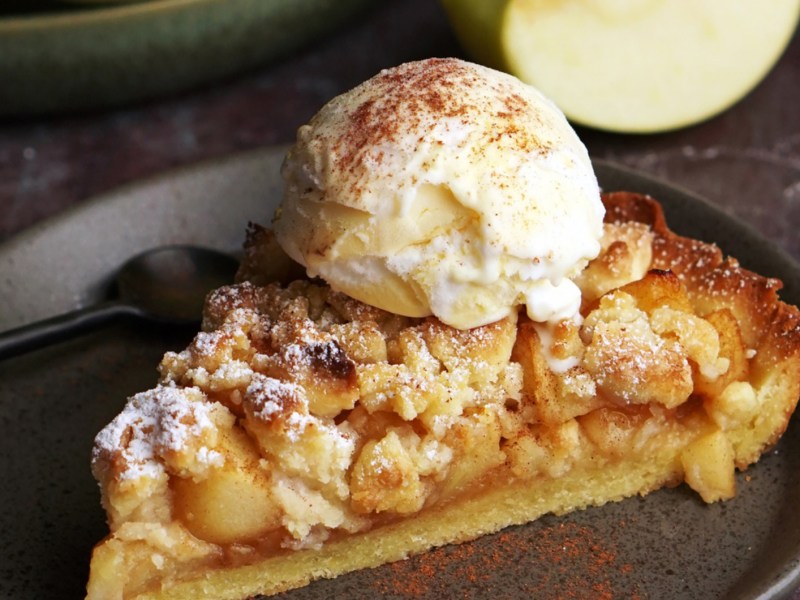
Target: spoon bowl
{"type": "Point", "coordinates": [166, 284]}
{"type": "Point", "coordinates": [170, 283]}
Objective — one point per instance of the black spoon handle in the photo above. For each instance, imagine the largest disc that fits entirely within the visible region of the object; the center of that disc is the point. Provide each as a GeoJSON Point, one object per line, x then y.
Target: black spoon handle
{"type": "Point", "coordinates": [56, 329]}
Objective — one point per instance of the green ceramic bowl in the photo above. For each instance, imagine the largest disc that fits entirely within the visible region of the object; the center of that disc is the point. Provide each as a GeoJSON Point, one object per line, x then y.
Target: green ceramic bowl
{"type": "Point", "coordinates": [87, 57]}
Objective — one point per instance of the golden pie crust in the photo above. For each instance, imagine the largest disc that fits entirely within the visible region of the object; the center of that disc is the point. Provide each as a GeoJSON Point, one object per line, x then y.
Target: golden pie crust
{"type": "Point", "coordinates": [304, 434]}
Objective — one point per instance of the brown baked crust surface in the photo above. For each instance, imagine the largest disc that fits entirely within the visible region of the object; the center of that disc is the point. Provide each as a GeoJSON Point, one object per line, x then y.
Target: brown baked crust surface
{"type": "Point", "coordinates": [304, 434]}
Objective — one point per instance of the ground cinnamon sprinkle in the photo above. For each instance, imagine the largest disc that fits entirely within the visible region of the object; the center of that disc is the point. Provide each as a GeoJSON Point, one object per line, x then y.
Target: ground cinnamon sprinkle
{"type": "Point", "coordinates": [562, 561]}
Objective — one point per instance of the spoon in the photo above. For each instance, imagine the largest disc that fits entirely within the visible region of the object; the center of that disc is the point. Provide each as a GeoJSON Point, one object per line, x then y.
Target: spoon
{"type": "Point", "coordinates": [167, 284]}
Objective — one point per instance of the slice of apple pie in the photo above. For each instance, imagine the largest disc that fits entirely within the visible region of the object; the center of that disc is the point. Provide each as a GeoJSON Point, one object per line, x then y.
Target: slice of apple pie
{"type": "Point", "coordinates": [304, 434]}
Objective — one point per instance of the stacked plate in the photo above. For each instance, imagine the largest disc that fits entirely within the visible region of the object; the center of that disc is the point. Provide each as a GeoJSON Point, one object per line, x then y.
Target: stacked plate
{"type": "Point", "coordinates": [58, 56]}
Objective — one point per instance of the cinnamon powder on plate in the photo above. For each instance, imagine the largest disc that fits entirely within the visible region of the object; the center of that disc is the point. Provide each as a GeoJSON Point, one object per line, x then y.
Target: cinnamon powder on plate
{"type": "Point", "coordinates": [562, 561]}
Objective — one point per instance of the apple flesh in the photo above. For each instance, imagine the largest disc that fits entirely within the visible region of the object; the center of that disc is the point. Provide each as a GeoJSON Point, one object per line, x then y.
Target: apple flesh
{"type": "Point", "coordinates": [630, 65]}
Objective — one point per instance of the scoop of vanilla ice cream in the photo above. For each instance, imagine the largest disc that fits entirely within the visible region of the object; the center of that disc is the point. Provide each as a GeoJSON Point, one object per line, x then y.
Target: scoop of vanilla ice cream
{"type": "Point", "coordinates": [443, 187]}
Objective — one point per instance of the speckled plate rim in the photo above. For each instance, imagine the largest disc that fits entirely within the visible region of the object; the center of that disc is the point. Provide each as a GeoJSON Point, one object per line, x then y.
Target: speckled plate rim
{"type": "Point", "coordinates": [212, 202]}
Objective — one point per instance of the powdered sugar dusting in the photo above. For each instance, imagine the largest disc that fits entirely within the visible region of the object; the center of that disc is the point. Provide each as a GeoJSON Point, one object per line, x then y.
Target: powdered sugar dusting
{"type": "Point", "coordinates": [270, 397]}
{"type": "Point", "coordinates": [152, 423]}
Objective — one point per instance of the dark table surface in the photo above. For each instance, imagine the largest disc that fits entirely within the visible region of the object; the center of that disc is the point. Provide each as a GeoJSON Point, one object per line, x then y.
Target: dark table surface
{"type": "Point", "coordinates": [746, 160]}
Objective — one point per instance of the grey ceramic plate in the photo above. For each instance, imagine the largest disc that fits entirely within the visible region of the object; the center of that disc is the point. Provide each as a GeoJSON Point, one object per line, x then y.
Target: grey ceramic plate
{"type": "Point", "coordinates": [668, 545]}
{"type": "Point", "coordinates": [96, 55]}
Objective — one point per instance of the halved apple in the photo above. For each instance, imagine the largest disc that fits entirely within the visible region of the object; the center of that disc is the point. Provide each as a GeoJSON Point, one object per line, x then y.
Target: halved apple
{"type": "Point", "coordinates": [630, 65]}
